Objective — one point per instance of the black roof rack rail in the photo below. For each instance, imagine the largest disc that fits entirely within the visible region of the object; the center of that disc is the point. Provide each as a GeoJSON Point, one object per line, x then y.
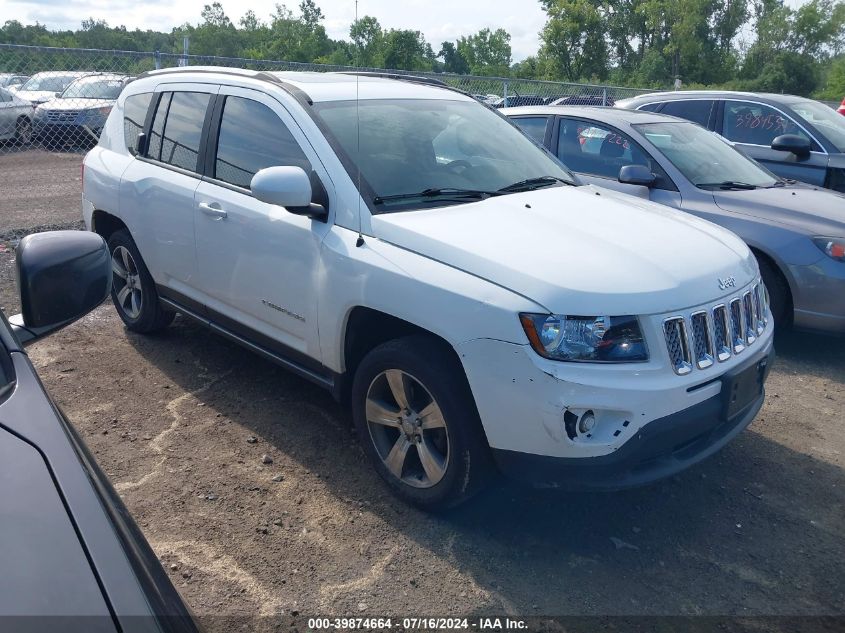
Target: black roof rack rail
{"type": "Point", "coordinates": [399, 76]}
{"type": "Point", "coordinates": [416, 79]}
{"type": "Point", "coordinates": [261, 75]}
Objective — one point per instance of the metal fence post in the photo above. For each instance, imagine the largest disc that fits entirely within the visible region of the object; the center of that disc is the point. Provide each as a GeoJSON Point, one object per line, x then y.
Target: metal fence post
{"type": "Point", "coordinates": [157, 56]}
{"type": "Point", "coordinates": [505, 91]}
{"type": "Point", "coordinates": [604, 96]}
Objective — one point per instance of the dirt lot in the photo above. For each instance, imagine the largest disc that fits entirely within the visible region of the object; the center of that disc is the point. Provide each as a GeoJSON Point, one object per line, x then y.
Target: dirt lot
{"type": "Point", "coordinates": [756, 530]}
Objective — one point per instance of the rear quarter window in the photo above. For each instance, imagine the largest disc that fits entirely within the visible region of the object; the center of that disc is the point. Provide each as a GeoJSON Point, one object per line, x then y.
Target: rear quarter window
{"type": "Point", "coordinates": [134, 114]}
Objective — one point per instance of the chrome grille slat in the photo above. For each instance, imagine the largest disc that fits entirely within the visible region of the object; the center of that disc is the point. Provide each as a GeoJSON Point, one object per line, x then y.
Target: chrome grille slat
{"type": "Point", "coordinates": [702, 343]}
{"type": "Point", "coordinates": [737, 326]}
{"type": "Point", "coordinates": [750, 318]}
{"type": "Point", "coordinates": [699, 339]}
{"type": "Point", "coordinates": [758, 307]}
{"type": "Point", "coordinates": [674, 330]}
{"type": "Point", "coordinates": [721, 333]}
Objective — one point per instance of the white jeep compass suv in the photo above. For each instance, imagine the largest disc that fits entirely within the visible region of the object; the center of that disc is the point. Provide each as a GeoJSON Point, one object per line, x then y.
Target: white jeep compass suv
{"type": "Point", "coordinates": [413, 252]}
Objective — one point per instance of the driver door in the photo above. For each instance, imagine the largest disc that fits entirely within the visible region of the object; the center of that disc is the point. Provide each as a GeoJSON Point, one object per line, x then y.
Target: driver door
{"type": "Point", "coordinates": [258, 265]}
{"type": "Point", "coordinates": [753, 126]}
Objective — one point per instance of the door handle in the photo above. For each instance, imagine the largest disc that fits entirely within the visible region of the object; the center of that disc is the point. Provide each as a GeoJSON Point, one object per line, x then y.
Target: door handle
{"type": "Point", "coordinates": [213, 210]}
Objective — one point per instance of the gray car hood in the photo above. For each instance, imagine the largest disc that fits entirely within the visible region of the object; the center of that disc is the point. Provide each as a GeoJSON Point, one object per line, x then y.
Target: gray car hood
{"type": "Point", "coordinates": [807, 209]}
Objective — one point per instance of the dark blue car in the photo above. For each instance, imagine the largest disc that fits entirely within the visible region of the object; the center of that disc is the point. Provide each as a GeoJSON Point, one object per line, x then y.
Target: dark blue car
{"type": "Point", "coordinates": [794, 137]}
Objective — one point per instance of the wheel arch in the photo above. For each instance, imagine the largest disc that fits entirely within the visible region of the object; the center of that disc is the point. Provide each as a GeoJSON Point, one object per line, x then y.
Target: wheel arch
{"type": "Point", "coordinates": [760, 254]}
{"type": "Point", "coordinates": [105, 224]}
{"type": "Point", "coordinates": [367, 328]}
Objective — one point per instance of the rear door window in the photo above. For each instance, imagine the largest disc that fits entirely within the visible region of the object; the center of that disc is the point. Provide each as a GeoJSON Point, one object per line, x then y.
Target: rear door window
{"type": "Point", "coordinates": [695, 110]}
{"type": "Point", "coordinates": [177, 128]}
{"type": "Point", "coordinates": [252, 137]}
{"type": "Point", "coordinates": [180, 143]}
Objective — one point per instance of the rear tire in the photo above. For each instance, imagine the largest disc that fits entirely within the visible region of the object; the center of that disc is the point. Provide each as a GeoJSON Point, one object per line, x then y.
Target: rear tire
{"type": "Point", "coordinates": [417, 421]}
{"type": "Point", "coordinates": [133, 289]}
{"type": "Point", "coordinates": [780, 298]}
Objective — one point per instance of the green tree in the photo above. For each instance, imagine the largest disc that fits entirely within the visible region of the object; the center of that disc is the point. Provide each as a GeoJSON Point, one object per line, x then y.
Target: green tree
{"type": "Point", "coordinates": [367, 42]}
{"type": "Point", "coordinates": [486, 52]}
{"type": "Point", "coordinates": [453, 61]}
{"type": "Point", "coordinates": [573, 40]}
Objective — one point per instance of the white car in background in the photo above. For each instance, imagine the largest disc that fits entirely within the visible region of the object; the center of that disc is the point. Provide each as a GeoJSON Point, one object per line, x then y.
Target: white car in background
{"type": "Point", "coordinates": [413, 252]}
{"type": "Point", "coordinates": [77, 116]}
{"type": "Point", "coordinates": [44, 86]}
{"type": "Point", "coordinates": [11, 81]}
{"type": "Point", "coordinates": [15, 118]}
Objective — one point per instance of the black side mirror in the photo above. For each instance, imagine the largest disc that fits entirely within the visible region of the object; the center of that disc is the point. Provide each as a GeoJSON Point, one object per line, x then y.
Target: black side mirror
{"type": "Point", "coordinates": [798, 145]}
{"type": "Point", "coordinates": [62, 275]}
{"type": "Point", "coordinates": [637, 175]}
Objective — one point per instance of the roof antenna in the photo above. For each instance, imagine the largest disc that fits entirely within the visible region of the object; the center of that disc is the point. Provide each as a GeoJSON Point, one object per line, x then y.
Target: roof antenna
{"type": "Point", "coordinates": [360, 242]}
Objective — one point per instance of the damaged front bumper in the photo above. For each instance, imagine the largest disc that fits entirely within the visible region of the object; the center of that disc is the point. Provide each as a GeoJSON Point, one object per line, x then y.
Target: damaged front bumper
{"type": "Point", "coordinates": [649, 425]}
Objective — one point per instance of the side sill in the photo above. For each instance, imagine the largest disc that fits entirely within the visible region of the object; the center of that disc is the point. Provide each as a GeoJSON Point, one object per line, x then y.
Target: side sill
{"type": "Point", "coordinates": [325, 381]}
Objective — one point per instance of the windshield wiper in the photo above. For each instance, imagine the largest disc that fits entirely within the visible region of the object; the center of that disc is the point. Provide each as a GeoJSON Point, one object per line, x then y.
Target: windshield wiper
{"type": "Point", "coordinates": [445, 192]}
{"type": "Point", "coordinates": [727, 184]}
{"type": "Point", "coordinates": [534, 183]}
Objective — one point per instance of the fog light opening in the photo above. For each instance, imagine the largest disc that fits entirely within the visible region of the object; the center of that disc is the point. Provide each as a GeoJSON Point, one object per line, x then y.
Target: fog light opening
{"type": "Point", "coordinates": [586, 424]}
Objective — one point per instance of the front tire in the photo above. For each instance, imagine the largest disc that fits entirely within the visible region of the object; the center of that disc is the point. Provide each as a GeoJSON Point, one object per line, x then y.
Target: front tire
{"type": "Point", "coordinates": [418, 423]}
{"type": "Point", "coordinates": [133, 289]}
{"type": "Point", "coordinates": [23, 132]}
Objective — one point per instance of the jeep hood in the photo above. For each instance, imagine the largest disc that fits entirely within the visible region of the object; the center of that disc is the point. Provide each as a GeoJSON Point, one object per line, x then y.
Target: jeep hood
{"type": "Point", "coordinates": [579, 250]}
{"type": "Point", "coordinates": [808, 209]}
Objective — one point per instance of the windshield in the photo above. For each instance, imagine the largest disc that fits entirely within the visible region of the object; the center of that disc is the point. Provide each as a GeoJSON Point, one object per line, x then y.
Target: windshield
{"type": "Point", "coordinates": [702, 157]}
{"type": "Point", "coordinates": [48, 83]}
{"type": "Point", "coordinates": [409, 146]}
{"type": "Point", "coordinates": [94, 88]}
{"type": "Point", "coordinates": [826, 120]}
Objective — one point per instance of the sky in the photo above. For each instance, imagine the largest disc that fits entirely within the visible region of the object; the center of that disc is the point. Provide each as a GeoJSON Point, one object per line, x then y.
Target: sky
{"type": "Point", "coordinates": [439, 20]}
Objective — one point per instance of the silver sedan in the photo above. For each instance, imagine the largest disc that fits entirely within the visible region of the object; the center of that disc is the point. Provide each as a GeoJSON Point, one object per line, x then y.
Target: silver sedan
{"type": "Point", "coordinates": [797, 231]}
{"type": "Point", "coordinates": [15, 118]}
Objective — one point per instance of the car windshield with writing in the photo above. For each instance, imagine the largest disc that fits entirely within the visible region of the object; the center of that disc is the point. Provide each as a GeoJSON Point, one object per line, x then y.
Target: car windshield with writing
{"type": "Point", "coordinates": [707, 161]}
{"type": "Point", "coordinates": [413, 154]}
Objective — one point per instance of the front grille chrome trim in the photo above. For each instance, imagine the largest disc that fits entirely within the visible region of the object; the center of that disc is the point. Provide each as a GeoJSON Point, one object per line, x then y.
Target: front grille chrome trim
{"type": "Point", "coordinates": [699, 339]}
{"type": "Point", "coordinates": [721, 333]}
{"type": "Point", "coordinates": [677, 343]}
{"type": "Point", "coordinates": [737, 319]}
{"type": "Point", "coordinates": [750, 317]}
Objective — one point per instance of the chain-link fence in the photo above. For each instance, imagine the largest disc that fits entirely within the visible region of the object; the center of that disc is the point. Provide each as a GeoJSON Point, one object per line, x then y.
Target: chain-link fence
{"type": "Point", "coordinates": [59, 98]}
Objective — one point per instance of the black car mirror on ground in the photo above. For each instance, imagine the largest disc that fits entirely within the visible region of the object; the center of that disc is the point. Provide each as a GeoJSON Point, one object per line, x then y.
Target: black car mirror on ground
{"type": "Point", "coordinates": [62, 275]}
{"type": "Point", "coordinates": [798, 145]}
{"type": "Point", "coordinates": [636, 175]}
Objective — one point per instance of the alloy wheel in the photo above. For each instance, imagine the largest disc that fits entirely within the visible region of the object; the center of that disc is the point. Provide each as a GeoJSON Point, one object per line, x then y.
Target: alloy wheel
{"type": "Point", "coordinates": [407, 429]}
{"type": "Point", "coordinates": [127, 282]}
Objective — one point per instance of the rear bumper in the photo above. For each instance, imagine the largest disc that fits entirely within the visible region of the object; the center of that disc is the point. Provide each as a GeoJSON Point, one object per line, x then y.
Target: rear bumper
{"type": "Point", "coordinates": [660, 449]}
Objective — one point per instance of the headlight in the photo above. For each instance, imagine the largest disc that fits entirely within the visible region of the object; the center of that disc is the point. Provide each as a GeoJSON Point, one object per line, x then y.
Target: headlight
{"type": "Point", "coordinates": [585, 338]}
{"type": "Point", "coordinates": [833, 247]}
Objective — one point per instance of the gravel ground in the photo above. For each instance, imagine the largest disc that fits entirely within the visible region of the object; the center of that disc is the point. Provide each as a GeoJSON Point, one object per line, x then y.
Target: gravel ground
{"type": "Point", "coordinates": [181, 423]}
